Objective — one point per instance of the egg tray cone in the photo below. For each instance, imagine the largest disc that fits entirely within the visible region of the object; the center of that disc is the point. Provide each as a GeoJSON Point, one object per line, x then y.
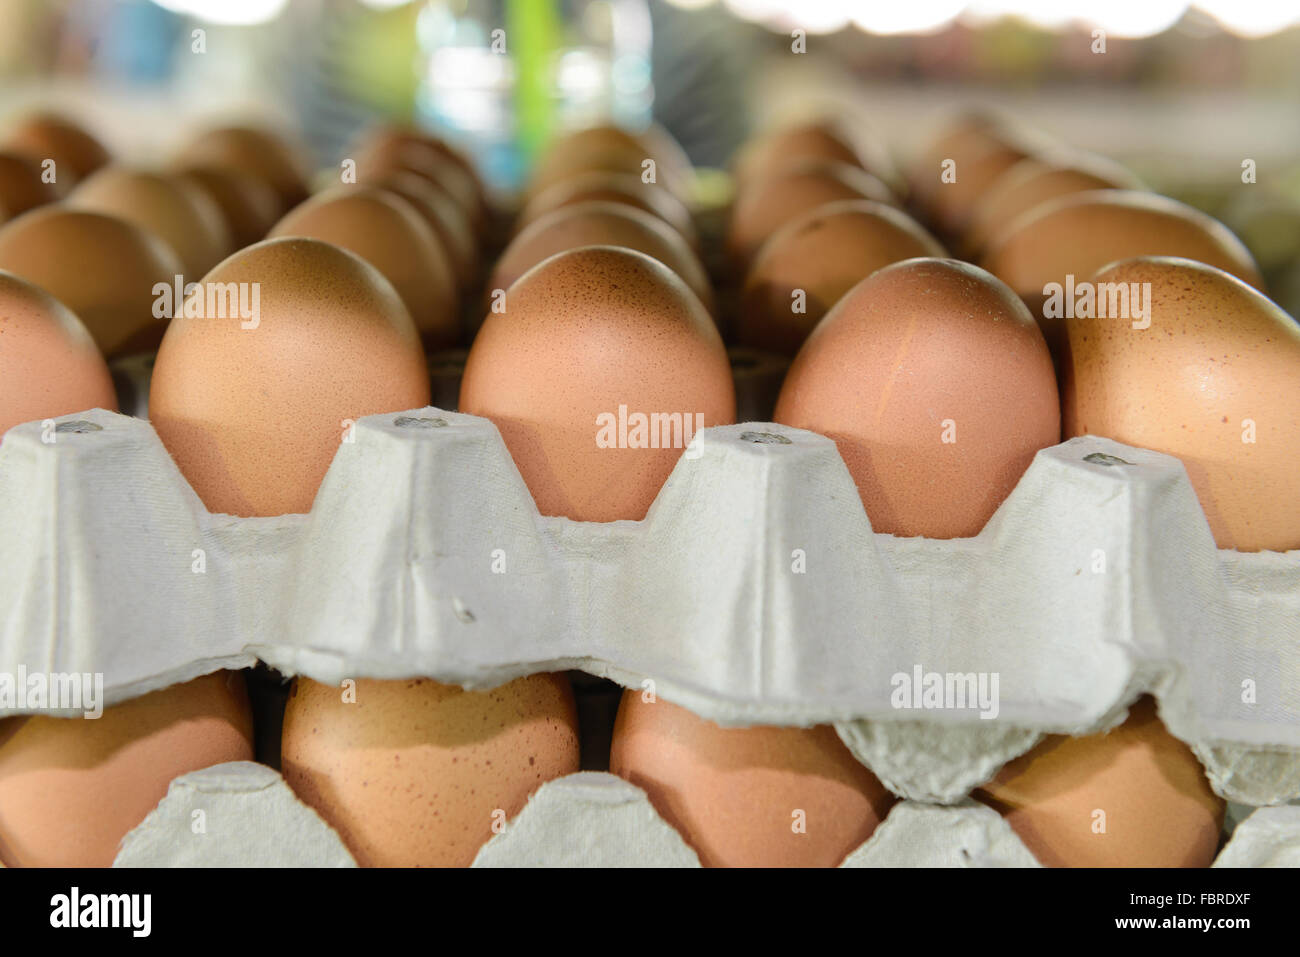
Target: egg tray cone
{"type": "Point", "coordinates": [754, 591]}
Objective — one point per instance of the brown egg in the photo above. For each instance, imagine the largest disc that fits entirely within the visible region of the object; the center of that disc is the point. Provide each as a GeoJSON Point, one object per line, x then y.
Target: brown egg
{"type": "Point", "coordinates": [248, 204]}
{"type": "Point", "coordinates": [936, 385]}
{"type": "Point", "coordinates": [1212, 376]}
{"type": "Point", "coordinates": [71, 788]}
{"type": "Point", "coordinates": [585, 333]}
{"type": "Point", "coordinates": [821, 255]}
{"type": "Point", "coordinates": [748, 797]}
{"type": "Point", "coordinates": [1033, 181]}
{"type": "Point", "coordinates": [601, 224]}
{"type": "Point", "coordinates": [413, 156]}
{"type": "Point", "coordinates": [102, 268]}
{"type": "Point", "coordinates": [443, 214]}
{"type": "Point", "coordinates": [182, 214]}
{"type": "Point", "coordinates": [390, 234]}
{"type": "Point", "coordinates": [953, 204]}
{"type": "Point", "coordinates": [608, 149]}
{"type": "Point", "coordinates": [1077, 234]}
{"type": "Point", "coordinates": [1133, 797]}
{"type": "Point", "coordinates": [21, 186]}
{"type": "Point", "coordinates": [769, 203]}
{"type": "Point", "coordinates": [613, 188]}
{"type": "Point", "coordinates": [255, 151]}
{"type": "Point", "coordinates": [44, 136]}
{"type": "Point", "coordinates": [412, 773]}
{"type": "Point", "coordinates": [49, 363]}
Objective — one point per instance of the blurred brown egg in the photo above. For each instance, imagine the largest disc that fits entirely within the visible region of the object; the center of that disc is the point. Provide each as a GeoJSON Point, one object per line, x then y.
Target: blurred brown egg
{"type": "Point", "coordinates": [1207, 370]}
{"type": "Point", "coordinates": [590, 338]}
{"type": "Point", "coordinates": [71, 789]}
{"type": "Point", "coordinates": [1132, 797]}
{"type": "Point", "coordinates": [609, 149]}
{"type": "Point", "coordinates": [44, 136]}
{"type": "Point", "coordinates": [387, 232]}
{"type": "Point", "coordinates": [186, 217]}
{"type": "Point", "coordinates": [748, 797]}
{"type": "Point", "coordinates": [443, 214]}
{"type": "Point", "coordinates": [102, 268]}
{"type": "Point", "coordinates": [614, 188]}
{"type": "Point", "coordinates": [21, 186]}
{"type": "Point", "coordinates": [1076, 234]}
{"type": "Point", "coordinates": [936, 385]}
{"type": "Point", "coordinates": [259, 152]}
{"type": "Point", "coordinates": [803, 270]}
{"type": "Point", "coordinates": [601, 224]}
{"type": "Point", "coordinates": [248, 204]}
{"type": "Point", "coordinates": [769, 203]}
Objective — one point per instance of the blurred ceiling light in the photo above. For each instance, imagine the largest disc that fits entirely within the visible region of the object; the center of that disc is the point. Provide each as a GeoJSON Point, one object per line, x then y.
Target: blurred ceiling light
{"type": "Point", "coordinates": [1252, 18]}
{"type": "Point", "coordinates": [231, 12]}
{"type": "Point", "coordinates": [918, 16]}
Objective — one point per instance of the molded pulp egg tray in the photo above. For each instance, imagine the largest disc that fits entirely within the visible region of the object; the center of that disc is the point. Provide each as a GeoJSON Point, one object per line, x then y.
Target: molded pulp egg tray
{"type": "Point", "coordinates": [754, 592]}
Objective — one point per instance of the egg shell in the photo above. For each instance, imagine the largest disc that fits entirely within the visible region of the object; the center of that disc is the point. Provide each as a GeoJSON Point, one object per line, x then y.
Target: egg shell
{"type": "Point", "coordinates": [254, 416]}
{"type": "Point", "coordinates": [1079, 233]}
{"type": "Point", "coordinates": [248, 204]}
{"type": "Point", "coordinates": [823, 253]}
{"type": "Point", "coordinates": [49, 363]}
{"type": "Point", "coordinates": [21, 186]}
{"type": "Point", "coordinates": [76, 153]}
{"type": "Point", "coordinates": [598, 223]}
{"type": "Point", "coordinates": [613, 188]}
{"type": "Point", "coordinates": [185, 216]}
{"type": "Point", "coordinates": [417, 773]}
{"type": "Point", "coordinates": [101, 267]}
{"type": "Point", "coordinates": [389, 233]}
{"type": "Point", "coordinates": [259, 152]}
{"type": "Point", "coordinates": [1219, 363]}
{"type": "Point", "coordinates": [583, 333]}
{"type": "Point", "coordinates": [935, 384]}
{"type": "Point", "coordinates": [748, 797]}
{"type": "Point", "coordinates": [1134, 796]}
{"type": "Point", "coordinates": [443, 214]}
{"type": "Point", "coordinates": [71, 788]}
{"type": "Point", "coordinates": [771, 202]}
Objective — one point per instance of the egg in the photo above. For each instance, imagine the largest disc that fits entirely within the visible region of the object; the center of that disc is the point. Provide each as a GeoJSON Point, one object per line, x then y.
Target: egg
{"type": "Point", "coordinates": [255, 151]}
{"type": "Point", "coordinates": [586, 332]}
{"type": "Point", "coordinates": [71, 788]}
{"type": "Point", "coordinates": [1077, 234]}
{"type": "Point", "coordinates": [1209, 373]}
{"type": "Point", "coordinates": [390, 234]}
{"type": "Point", "coordinates": [1132, 797]}
{"type": "Point", "coordinates": [769, 203]}
{"type": "Point", "coordinates": [247, 203]}
{"type": "Point", "coordinates": [808, 265]}
{"type": "Point", "coordinates": [443, 214]}
{"type": "Point", "coordinates": [612, 150]}
{"type": "Point", "coordinates": [1034, 181]}
{"type": "Point", "coordinates": [614, 188]}
{"type": "Point", "coordinates": [44, 136]}
{"type": "Point", "coordinates": [101, 267]}
{"type": "Point", "coordinates": [184, 215]}
{"type": "Point", "coordinates": [21, 185]}
{"type": "Point", "coordinates": [601, 224]}
{"type": "Point", "coordinates": [936, 385]}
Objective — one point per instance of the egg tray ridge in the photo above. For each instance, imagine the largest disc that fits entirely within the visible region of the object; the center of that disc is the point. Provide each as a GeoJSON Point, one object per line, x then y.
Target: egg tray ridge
{"type": "Point", "coordinates": [754, 591]}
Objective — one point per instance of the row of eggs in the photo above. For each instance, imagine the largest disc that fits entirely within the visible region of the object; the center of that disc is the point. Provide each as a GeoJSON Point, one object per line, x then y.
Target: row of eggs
{"type": "Point", "coordinates": [608, 304]}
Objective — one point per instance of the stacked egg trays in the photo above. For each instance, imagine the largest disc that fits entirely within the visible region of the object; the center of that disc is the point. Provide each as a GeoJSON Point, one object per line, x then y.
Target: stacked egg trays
{"type": "Point", "coordinates": [700, 602]}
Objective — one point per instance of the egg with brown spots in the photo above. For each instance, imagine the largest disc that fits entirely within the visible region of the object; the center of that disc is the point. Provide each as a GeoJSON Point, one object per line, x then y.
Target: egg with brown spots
{"type": "Point", "coordinates": [1210, 373]}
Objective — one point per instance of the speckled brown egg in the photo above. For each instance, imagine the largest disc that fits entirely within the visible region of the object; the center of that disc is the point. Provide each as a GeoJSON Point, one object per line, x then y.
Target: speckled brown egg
{"type": "Point", "coordinates": [585, 333]}
{"type": "Point", "coordinates": [813, 261]}
{"type": "Point", "coordinates": [613, 188]}
{"type": "Point", "coordinates": [612, 150]}
{"type": "Point", "coordinates": [601, 224]}
{"type": "Point", "coordinates": [1077, 234]}
{"type": "Point", "coordinates": [748, 797]}
{"type": "Point", "coordinates": [936, 385]}
{"type": "Point", "coordinates": [1132, 797]}
{"type": "Point", "coordinates": [44, 136]}
{"type": "Point", "coordinates": [417, 773]}
{"type": "Point", "coordinates": [248, 204]}
{"type": "Point", "coordinates": [390, 234]}
{"type": "Point", "coordinates": [102, 268]}
{"type": "Point", "coordinates": [21, 186]}
{"type": "Point", "coordinates": [252, 150]}
{"type": "Point", "coordinates": [1212, 376]}
{"type": "Point", "coordinates": [49, 363]}
{"type": "Point", "coordinates": [182, 214]}
{"type": "Point", "coordinates": [769, 203]}
{"type": "Point", "coordinates": [443, 214]}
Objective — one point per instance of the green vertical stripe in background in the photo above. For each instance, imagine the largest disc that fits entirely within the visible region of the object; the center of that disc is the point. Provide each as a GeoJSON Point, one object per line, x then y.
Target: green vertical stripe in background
{"type": "Point", "coordinates": [532, 33]}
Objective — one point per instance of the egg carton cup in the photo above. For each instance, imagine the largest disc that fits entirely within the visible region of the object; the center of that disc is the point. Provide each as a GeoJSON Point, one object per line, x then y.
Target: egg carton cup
{"type": "Point", "coordinates": [754, 591]}
{"type": "Point", "coordinates": [244, 815]}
